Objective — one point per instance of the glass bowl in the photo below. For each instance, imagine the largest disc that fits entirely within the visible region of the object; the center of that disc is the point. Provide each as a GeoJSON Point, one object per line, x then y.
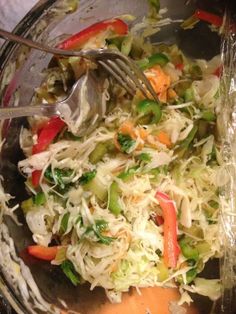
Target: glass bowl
{"type": "Point", "coordinates": [49, 22]}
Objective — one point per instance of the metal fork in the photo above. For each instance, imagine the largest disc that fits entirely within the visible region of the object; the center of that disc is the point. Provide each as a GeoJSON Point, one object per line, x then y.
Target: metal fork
{"type": "Point", "coordinates": [122, 68]}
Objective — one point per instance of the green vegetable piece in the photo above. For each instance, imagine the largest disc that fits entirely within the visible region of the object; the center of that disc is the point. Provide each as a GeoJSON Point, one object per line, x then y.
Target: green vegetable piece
{"type": "Point", "coordinates": [195, 71]}
{"type": "Point", "coordinates": [100, 226]}
{"type": "Point", "coordinates": [64, 223]}
{"type": "Point", "coordinates": [97, 188]}
{"type": "Point", "coordinates": [39, 199]}
{"type": "Point", "coordinates": [70, 272]}
{"type": "Point", "coordinates": [98, 153]}
{"type": "Point", "coordinates": [142, 63]}
{"type": "Point", "coordinates": [126, 45]}
{"type": "Point", "coordinates": [126, 175]}
{"type": "Point", "coordinates": [144, 157]}
{"type": "Point", "coordinates": [188, 95]}
{"type": "Point", "coordinates": [114, 201]}
{"type": "Point", "coordinates": [203, 247]}
{"type": "Point", "coordinates": [202, 129]}
{"type": "Point", "coordinates": [181, 87]}
{"type": "Point", "coordinates": [188, 140]}
{"type": "Point", "coordinates": [70, 136]}
{"type": "Point", "coordinates": [154, 8]}
{"type": "Point", "coordinates": [214, 204]}
{"type": "Point", "coordinates": [208, 116]}
{"type": "Point", "coordinates": [115, 41]}
{"type": "Point", "coordinates": [126, 142]}
{"type": "Point", "coordinates": [190, 22]}
{"type": "Point", "coordinates": [188, 251]}
{"type": "Point", "coordinates": [150, 108]}
{"type": "Point", "coordinates": [195, 231]}
{"type": "Point", "coordinates": [190, 275]}
{"type": "Point", "coordinates": [155, 59]}
{"type": "Point", "coordinates": [87, 177]}
{"type": "Point", "coordinates": [163, 271]}
{"type": "Point", "coordinates": [27, 205]}
{"type": "Point", "coordinates": [59, 177]}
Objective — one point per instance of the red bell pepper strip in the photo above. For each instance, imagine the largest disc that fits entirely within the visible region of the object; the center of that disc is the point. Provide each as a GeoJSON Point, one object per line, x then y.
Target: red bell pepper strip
{"type": "Point", "coordinates": [47, 134]}
{"type": "Point", "coordinates": [179, 66]}
{"type": "Point", "coordinates": [209, 17]}
{"type": "Point", "coordinates": [43, 252]}
{"type": "Point", "coordinates": [171, 247]}
{"type": "Point", "coordinates": [36, 175]}
{"type": "Point", "coordinates": [159, 220]}
{"type": "Point", "coordinates": [76, 41]}
{"type": "Point", "coordinates": [218, 71]}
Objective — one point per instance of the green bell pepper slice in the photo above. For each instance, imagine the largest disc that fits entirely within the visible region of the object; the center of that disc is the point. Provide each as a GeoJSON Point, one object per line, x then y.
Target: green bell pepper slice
{"type": "Point", "coordinates": [150, 108]}
{"type": "Point", "coordinates": [155, 59]}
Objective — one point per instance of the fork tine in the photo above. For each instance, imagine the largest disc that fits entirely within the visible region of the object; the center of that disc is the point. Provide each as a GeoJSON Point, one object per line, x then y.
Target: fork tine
{"type": "Point", "coordinates": [140, 76]}
{"type": "Point", "coordinates": [117, 77]}
{"type": "Point", "coordinates": [123, 74]}
{"type": "Point", "coordinates": [130, 74]}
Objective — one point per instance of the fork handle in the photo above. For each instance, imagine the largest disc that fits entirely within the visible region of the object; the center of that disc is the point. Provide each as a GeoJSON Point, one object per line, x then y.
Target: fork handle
{"type": "Point", "coordinates": [16, 112]}
{"type": "Point", "coordinates": [32, 44]}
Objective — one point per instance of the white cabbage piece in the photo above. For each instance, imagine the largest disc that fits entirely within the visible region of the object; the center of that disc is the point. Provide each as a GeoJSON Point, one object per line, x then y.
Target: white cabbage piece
{"type": "Point", "coordinates": [205, 90]}
{"type": "Point", "coordinates": [36, 220]}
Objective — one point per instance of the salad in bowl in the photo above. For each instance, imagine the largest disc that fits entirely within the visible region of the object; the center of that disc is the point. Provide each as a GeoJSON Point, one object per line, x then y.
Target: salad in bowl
{"type": "Point", "coordinates": [135, 202]}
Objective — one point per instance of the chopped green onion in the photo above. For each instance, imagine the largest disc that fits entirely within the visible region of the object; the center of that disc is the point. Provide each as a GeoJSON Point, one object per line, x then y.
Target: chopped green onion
{"type": "Point", "coordinates": [98, 153]}
{"type": "Point", "coordinates": [64, 223]}
{"type": "Point", "coordinates": [70, 272]}
{"type": "Point", "coordinates": [39, 199]}
{"type": "Point", "coordinates": [114, 200]}
{"type": "Point", "coordinates": [126, 175]}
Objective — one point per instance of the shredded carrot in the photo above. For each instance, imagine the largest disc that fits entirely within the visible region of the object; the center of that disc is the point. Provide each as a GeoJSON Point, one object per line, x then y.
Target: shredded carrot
{"type": "Point", "coordinates": [127, 127]}
{"type": "Point", "coordinates": [164, 138]}
{"type": "Point", "coordinates": [159, 80]}
{"type": "Point", "coordinates": [143, 133]}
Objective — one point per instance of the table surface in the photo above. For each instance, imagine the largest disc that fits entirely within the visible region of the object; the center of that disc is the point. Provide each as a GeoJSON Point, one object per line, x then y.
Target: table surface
{"type": "Point", "coordinates": [11, 12]}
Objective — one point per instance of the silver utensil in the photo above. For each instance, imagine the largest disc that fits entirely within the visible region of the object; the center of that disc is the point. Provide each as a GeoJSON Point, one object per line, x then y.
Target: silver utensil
{"type": "Point", "coordinates": [123, 69]}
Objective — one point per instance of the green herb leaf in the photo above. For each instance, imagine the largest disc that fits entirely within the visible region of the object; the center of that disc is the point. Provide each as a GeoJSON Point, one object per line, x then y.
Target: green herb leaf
{"type": "Point", "coordinates": [70, 272]}
{"type": "Point", "coordinates": [64, 223]}
{"type": "Point", "coordinates": [126, 142]}
{"type": "Point", "coordinates": [144, 157]}
{"type": "Point", "coordinates": [58, 176]}
{"type": "Point", "coordinates": [87, 177]}
{"type": "Point", "coordinates": [99, 227]}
